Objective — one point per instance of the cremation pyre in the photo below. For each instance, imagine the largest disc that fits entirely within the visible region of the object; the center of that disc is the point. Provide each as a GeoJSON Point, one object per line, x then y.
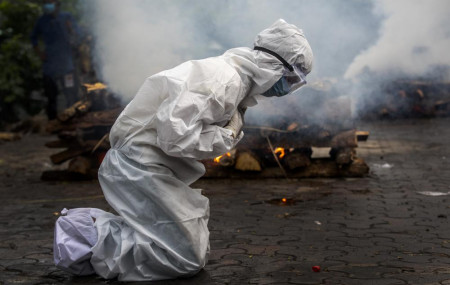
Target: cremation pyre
{"type": "Point", "coordinates": [282, 148]}
{"type": "Point", "coordinates": [316, 120]}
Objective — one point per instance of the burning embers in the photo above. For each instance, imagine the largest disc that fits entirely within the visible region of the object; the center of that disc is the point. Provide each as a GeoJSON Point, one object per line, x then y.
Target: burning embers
{"type": "Point", "coordinates": [287, 147]}
{"type": "Point", "coordinates": [282, 201]}
{"type": "Point", "coordinates": [226, 159]}
{"type": "Point", "coordinates": [280, 151]}
{"type": "Point", "coordinates": [218, 159]}
{"type": "Point", "coordinates": [254, 157]}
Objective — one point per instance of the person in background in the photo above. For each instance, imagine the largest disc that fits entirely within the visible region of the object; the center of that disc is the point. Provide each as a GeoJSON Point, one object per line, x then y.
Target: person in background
{"type": "Point", "coordinates": [59, 32]}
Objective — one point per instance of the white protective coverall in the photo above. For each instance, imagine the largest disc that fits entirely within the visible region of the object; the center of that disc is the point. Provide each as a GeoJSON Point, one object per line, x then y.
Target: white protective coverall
{"type": "Point", "coordinates": [176, 118]}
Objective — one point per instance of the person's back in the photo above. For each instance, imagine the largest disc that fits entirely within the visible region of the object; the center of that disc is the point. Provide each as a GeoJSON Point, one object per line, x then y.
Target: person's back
{"type": "Point", "coordinates": [211, 99]}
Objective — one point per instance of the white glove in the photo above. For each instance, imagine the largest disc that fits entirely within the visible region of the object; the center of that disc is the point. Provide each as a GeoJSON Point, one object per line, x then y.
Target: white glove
{"type": "Point", "coordinates": [237, 122]}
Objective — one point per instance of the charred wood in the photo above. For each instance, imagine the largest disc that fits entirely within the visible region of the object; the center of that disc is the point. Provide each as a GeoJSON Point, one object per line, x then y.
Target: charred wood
{"type": "Point", "coordinates": [70, 153]}
{"type": "Point", "coordinates": [80, 164]}
{"type": "Point", "coordinates": [89, 120]}
{"type": "Point", "coordinates": [77, 109]}
{"type": "Point", "coordinates": [298, 158]}
{"type": "Point", "coordinates": [362, 136]}
{"type": "Point", "coordinates": [344, 140]}
{"type": "Point", "coordinates": [319, 168]}
{"type": "Point", "coordinates": [343, 155]}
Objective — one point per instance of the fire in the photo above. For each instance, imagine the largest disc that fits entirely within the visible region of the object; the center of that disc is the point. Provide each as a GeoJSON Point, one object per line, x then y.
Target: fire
{"type": "Point", "coordinates": [284, 200]}
{"type": "Point", "coordinates": [281, 151]}
{"type": "Point", "coordinates": [217, 159]}
{"type": "Point", "coordinates": [95, 86]}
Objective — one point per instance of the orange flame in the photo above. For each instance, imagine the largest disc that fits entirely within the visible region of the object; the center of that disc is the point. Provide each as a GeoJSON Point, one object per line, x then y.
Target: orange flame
{"type": "Point", "coordinates": [95, 86]}
{"type": "Point", "coordinates": [217, 159]}
{"type": "Point", "coordinates": [284, 200]}
{"type": "Point", "coordinates": [281, 151]}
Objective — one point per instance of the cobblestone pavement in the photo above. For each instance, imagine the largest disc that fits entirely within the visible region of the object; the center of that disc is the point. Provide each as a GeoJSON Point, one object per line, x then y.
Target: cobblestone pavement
{"type": "Point", "coordinates": [374, 230]}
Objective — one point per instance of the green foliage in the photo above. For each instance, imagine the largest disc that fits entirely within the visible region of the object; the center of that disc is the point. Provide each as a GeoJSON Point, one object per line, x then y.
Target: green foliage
{"type": "Point", "coordinates": [18, 16]}
{"type": "Point", "coordinates": [20, 71]}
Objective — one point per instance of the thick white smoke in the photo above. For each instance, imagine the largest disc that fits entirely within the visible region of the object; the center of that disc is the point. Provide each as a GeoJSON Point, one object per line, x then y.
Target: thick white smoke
{"type": "Point", "coordinates": [414, 39]}
{"type": "Point", "coordinates": [371, 42]}
{"type": "Point", "coordinates": [133, 40]}
{"type": "Point", "coordinates": [137, 38]}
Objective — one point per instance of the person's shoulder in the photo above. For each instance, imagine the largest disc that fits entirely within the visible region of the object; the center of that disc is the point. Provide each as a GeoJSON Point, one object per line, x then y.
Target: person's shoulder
{"type": "Point", "coordinates": [215, 68]}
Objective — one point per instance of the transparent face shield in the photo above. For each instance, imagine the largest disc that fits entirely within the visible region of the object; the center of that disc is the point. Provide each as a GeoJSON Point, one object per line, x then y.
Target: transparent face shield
{"type": "Point", "coordinates": [293, 75]}
{"type": "Point", "coordinates": [296, 78]}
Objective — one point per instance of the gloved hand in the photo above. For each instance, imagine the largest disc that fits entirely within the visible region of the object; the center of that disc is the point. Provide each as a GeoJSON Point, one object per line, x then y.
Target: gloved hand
{"type": "Point", "coordinates": [237, 122]}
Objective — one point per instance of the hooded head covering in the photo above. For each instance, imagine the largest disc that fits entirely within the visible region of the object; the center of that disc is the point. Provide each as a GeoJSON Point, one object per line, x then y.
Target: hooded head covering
{"type": "Point", "coordinates": [289, 42]}
{"type": "Point", "coordinates": [260, 70]}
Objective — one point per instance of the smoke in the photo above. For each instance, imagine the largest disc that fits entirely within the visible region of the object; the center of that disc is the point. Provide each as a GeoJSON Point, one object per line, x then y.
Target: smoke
{"type": "Point", "coordinates": [134, 39]}
{"type": "Point", "coordinates": [414, 39]}
{"type": "Point", "coordinates": [359, 46]}
{"type": "Point", "coordinates": [138, 38]}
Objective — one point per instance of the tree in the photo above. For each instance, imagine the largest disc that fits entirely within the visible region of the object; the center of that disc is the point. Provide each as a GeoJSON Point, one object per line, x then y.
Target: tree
{"type": "Point", "coordinates": [20, 73]}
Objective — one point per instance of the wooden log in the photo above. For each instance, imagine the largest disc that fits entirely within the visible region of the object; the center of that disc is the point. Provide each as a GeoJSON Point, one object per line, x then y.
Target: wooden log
{"type": "Point", "coordinates": [329, 168]}
{"type": "Point", "coordinates": [298, 158]}
{"type": "Point", "coordinates": [53, 126]}
{"type": "Point", "coordinates": [227, 159]}
{"type": "Point", "coordinates": [69, 143]}
{"type": "Point", "coordinates": [319, 168]}
{"type": "Point", "coordinates": [247, 161]}
{"type": "Point", "coordinates": [65, 155]}
{"type": "Point", "coordinates": [77, 109]}
{"type": "Point", "coordinates": [344, 140]}
{"type": "Point", "coordinates": [301, 137]}
{"type": "Point", "coordinates": [358, 168]}
{"type": "Point", "coordinates": [343, 155]}
{"type": "Point", "coordinates": [442, 107]}
{"type": "Point", "coordinates": [80, 164]}
{"type": "Point", "coordinates": [6, 136]}
{"type": "Point", "coordinates": [88, 120]}
{"type": "Point", "coordinates": [362, 136]}
{"type": "Point", "coordinates": [100, 118]}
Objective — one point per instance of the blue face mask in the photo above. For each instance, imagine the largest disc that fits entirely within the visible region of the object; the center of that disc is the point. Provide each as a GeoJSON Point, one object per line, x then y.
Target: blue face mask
{"type": "Point", "coordinates": [280, 88]}
{"type": "Point", "coordinates": [49, 8]}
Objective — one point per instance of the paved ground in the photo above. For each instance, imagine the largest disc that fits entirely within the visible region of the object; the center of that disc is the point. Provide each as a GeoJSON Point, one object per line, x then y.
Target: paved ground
{"type": "Point", "coordinates": [376, 230]}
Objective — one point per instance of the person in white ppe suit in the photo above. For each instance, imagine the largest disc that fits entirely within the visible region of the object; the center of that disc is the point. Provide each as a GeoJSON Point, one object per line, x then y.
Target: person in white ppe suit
{"type": "Point", "coordinates": [191, 112]}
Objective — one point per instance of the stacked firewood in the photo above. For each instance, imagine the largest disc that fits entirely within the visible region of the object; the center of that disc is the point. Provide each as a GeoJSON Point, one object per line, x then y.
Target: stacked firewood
{"type": "Point", "coordinates": [82, 131]}
{"type": "Point", "coordinates": [287, 148]}
{"type": "Point", "coordinates": [268, 152]}
{"type": "Point", "coordinates": [408, 99]}
{"type": "Point", "coordinates": [283, 148]}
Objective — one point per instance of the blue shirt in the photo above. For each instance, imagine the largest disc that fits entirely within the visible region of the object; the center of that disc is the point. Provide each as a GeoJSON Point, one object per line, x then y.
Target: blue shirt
{"type": "Point", "coordinates": [57, 37]}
